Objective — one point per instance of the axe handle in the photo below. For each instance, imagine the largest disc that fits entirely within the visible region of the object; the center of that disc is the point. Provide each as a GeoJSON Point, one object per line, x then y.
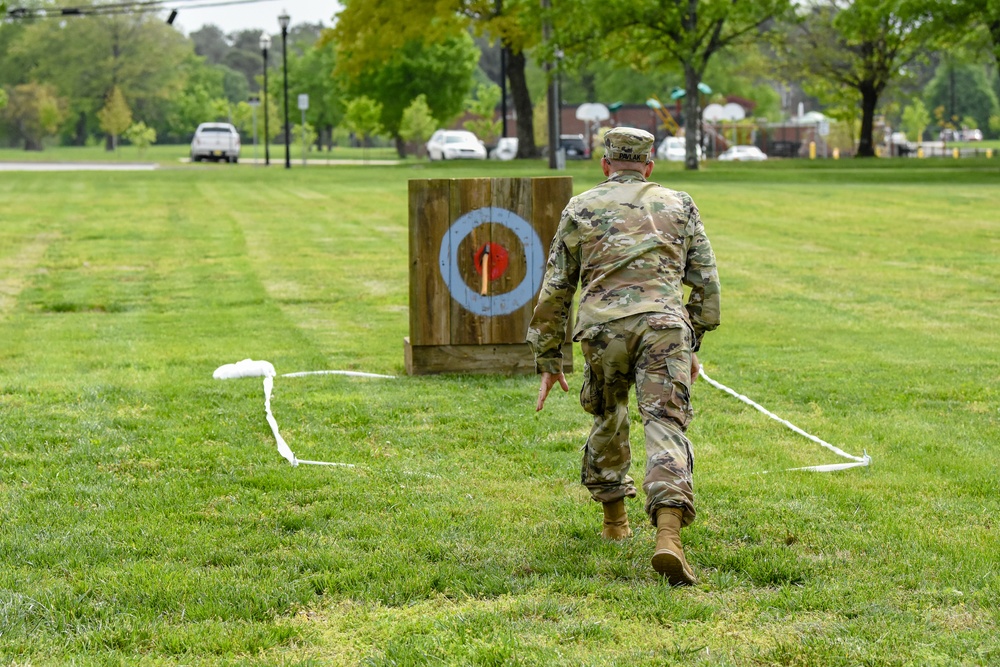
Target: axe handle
{"type": "Point", "coordinates": [486, 273]}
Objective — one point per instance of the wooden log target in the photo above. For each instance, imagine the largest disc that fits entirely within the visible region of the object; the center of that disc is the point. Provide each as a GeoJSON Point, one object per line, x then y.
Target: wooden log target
{"type": "Point", "coordinates": [461, 321]}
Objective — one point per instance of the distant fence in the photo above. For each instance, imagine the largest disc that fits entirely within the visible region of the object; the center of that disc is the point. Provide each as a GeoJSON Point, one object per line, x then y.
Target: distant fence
{"type": "Point", "coordinates": [943, 150]}
{"type": "Point", "coordinates": [793, 141]}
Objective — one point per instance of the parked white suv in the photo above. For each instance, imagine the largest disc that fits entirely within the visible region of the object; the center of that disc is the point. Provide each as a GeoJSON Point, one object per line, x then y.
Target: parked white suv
{"type": "Point", "coordinates": [215, 141]}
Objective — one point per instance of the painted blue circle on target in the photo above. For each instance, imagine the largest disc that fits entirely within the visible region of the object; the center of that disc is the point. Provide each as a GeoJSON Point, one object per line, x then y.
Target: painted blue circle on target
{"type": "Point", "coordinates": [500, 304]}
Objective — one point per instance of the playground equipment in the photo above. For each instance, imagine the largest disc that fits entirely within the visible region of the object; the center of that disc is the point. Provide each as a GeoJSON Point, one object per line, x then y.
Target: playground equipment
{"type": "Point", "coordinates": [666, 119]}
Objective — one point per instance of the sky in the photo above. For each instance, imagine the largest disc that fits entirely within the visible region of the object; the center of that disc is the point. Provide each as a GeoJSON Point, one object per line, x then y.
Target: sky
{"type": "Point", "coordinates": [263, 14]}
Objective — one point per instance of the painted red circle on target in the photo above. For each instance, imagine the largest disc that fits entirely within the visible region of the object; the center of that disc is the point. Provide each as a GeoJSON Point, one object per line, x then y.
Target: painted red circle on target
{"type": "Point", "coordinates": [498, 260]}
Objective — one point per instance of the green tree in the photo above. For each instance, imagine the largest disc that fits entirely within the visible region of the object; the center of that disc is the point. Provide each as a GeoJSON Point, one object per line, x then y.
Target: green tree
{"type": "Point", "coordinates": [115, 116]}
{"type": "Point", "coordinates": [747, 71]}
{"type": "Point", "coordinates": [34, 111]}
{"type": "Point", "coordinates": [243, 119]}
{"type": "Point", "coordinates": [201, 99]}
{"type": "Point", "coordinates": [305, 139]}
{"type": "Point", "coordinates": [648, 34]}
{"type": "Point", "coordinates": [483, 109]}
{"type": "Point", "coordinates": [211, 43]}
{"type": "Point", "coordinates": [84, 59]}
{"type": "Point", "coordinates": [3, 99]}
{"type": "Point", "coordinates": [916, 118]}
{"type": "Point", "coordinates": [312, 73]}
{"type": "Point", "coordinates": [234, 85]}
{"type": "Point", "coordinates": [541, 114]}
{"type": "Point", "coordinates": [960, 19]}
{"type": "Point", "coordinates": [962, 90]}
{"type": "Point", "coordinates": [442, 71]}
{"type": "Point", "coordinates": [607, 81]}
{"type": "Point", "coordinates": [244, 56]}
{"type": "Point", "coordinates": [362, 117]}
{"type": "Point", "coordinates": [140, 136]}
{"type": "Point", "coordinates": [418, 123]}
{"type": "Point", "coordinates": [856, 49]}
{"type": "Point", "coordinates": [370, 31]}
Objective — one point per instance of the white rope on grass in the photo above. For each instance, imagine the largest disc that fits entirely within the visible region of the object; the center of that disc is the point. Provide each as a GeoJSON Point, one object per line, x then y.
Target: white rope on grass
{"type": "Point", "coordinates": [356, 374]}
{"type": "Point", "coordinates": [858, 461]}
{"type": "Point", "coordinates": [252, 368]}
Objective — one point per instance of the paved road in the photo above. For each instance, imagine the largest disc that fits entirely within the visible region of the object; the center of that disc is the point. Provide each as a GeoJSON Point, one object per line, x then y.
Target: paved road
{"type": "Point", "coordinates": [313, 162]}
{"type": "Point", "coordinates": [75, 166]}
{"type": "Point", "coordinates": [149, 166]}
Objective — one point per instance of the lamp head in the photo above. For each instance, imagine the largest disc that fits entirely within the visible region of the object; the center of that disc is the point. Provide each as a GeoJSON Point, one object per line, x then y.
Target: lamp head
{"type": "Point", "coordinates": [284, 19]}
{"type": "Point", "coordinates": [265, 41]}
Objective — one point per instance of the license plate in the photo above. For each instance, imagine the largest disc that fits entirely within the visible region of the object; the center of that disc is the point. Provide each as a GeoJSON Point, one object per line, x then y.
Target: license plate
{"type": "Point", "coordinates": [217, 153]}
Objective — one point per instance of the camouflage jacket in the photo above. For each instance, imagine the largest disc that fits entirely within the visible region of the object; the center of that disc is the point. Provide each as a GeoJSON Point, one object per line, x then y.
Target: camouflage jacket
{"type": "Point", "coordinates": [632, 244]}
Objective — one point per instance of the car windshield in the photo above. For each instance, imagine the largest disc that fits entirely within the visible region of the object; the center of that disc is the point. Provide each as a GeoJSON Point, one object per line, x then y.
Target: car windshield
{"type": "Point", "coordinates": [224, 130]}
{"type": "Point", "coordinates": [457, 139]}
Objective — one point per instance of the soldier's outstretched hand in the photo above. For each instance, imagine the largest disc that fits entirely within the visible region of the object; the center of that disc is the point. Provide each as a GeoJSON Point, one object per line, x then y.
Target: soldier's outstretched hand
{"type": "Point", "coordinates": [548, 381]}
{"type": "Point", "coordinates": [695, 367]}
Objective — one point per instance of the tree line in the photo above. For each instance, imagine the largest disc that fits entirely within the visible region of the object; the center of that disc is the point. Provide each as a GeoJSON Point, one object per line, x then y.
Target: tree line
{"type": "Point", "coordinates": [402, 68]}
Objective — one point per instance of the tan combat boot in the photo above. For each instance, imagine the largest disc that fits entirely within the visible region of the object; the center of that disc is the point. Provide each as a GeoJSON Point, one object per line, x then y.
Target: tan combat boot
{"type": "Point", "coordinates": [669, 557]}
{"type": "Point", "coordinates": [615, 521]}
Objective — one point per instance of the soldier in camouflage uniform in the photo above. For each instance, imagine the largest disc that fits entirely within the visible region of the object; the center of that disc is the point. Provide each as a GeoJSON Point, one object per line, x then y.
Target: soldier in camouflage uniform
{"type": "Point", "coordinates": [632, 244]}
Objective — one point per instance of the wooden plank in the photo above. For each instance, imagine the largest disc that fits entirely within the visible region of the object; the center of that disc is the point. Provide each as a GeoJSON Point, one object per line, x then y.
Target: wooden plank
{"type": "Point", "coordinates": [429, 203]}
{"type": "Point", "coordinates": [505, 359]}
{"type": "Point", "coordinates": [550, 196]}
{"type": "Point", "coordinates": [468, 194]}
{"type": "Point", "coordinates": [513, 195]}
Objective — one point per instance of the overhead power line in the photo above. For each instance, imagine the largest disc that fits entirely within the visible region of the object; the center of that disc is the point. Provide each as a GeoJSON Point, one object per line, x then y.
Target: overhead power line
{"type": "Point", "coordinates": [118, 8]}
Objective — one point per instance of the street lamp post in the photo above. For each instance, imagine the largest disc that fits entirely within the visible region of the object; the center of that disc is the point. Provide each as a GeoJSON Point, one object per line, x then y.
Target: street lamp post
{"type": "Point", "coordinates": [265, 44]}
{"type": "Point", "coordinates": [254, 102]}
{"type": "Point", "coordinates": [283, 22]}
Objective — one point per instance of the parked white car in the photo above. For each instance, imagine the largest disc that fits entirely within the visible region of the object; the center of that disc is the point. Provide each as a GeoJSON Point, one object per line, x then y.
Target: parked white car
{"type": "Point", "coordinates": [215, 141]}
{"type": "Point", "coordinates": [673, 149]}
{"type": "Point", "coordinates": [454, 145]}
{"type": "Point", "coordinates": [743, 154]}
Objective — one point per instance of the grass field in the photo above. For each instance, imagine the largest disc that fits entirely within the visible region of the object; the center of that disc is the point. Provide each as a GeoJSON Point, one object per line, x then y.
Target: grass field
{"type": "Point", "coordinates": [171, 154]}
{"type": "Point", "coordinates": [146, 517]}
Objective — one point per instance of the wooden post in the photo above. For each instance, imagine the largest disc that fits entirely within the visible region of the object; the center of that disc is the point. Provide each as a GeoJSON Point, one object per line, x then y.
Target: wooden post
{"type": "Point", "coordinates": [478, 248]}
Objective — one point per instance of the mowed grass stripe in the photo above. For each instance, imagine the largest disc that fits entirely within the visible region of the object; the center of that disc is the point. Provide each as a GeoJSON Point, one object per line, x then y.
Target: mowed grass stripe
{"type": "Point", "coordinates": [147, 517]}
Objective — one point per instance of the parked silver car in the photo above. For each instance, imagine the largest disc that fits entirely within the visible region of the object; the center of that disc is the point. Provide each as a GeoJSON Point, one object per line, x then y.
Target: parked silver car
{"type": "Point", "coordinates": [215, 141]}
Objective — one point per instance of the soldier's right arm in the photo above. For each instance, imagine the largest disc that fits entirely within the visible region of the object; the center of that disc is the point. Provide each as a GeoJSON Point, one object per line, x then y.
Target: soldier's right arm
{"type": "Point", "coordinates": [547, 330]}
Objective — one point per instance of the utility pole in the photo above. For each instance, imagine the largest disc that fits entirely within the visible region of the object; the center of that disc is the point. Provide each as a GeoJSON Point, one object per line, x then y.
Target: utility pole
{"type": "Point", "coordinates": [283, 22]}
{"type": "Point", "coordinates": [503, 87]}
{"type": "Point", "coordinates": [503, 75]}
{"type": "Point", "coordinates": [553, 91]}
{"type": "Point", "coordinates": [265, 44]}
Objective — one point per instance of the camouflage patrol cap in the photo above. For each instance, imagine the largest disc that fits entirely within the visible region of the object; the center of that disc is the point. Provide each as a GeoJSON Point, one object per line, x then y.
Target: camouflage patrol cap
{"type": "Point", "coordinates": [628, 144]}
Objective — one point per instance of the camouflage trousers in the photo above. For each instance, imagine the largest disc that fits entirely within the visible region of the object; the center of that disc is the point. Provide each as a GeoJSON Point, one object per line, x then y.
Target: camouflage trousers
{"type": "Point", "coordinates": [654, 354]}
